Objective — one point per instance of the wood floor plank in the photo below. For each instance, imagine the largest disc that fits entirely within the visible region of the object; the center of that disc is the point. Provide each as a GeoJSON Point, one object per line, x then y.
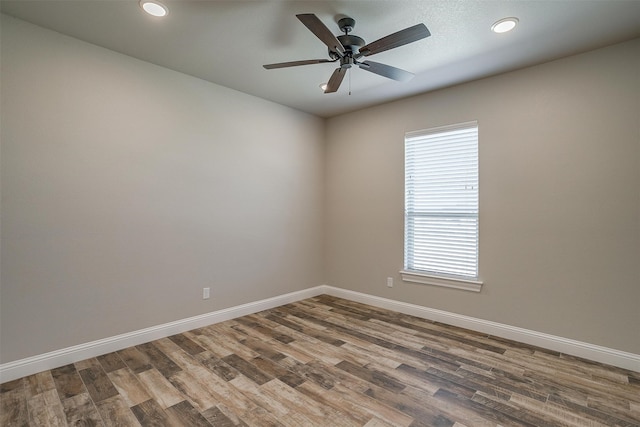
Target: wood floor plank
{"type": "Point", "coordinates": [375, 408]}
{"type": "Point", "coordinates": [364, 356]}
{"type": "Point", "coordinates": [228, 338]}
{"type": "Point", "coordinates": [372, 376]}
{"type": "Point", "coordinates": [317, 372]}
{"type": "Point", "coordinates": [235, 418]}
{"type": "Point", "coordinates": [304, 328]}
{"type": "Point", "coordinates": [254, 392]}
{"type": "Point", "coordinates": [326, 361]}
{"type": "Point", "coordinates": [242, 330]}
{"type": "Point", "coordinates": [260, 417]}
{"type": "Point", "coordinates": [198, 383]}
{"type": "Point", "coordinates": [580, 387]}
{"type": "Point", "coordinates": [469, 383]}
{"type": "Point", "coordinates": [247, 369]}
{"type": "Point", "coordinates": [299, 403]}
{"type": "Point", "coordinates": [559, 415]}
{"type": "Point", "coordinates": [218, 418]}
{"type": "Point", "coordinates": [18, 384]}
{"type": "Point", "coordinates": [13, 404]}
{"type": "Point", "coordinates": [265, 331]}
{"type": "Point", "coordinates": [450, 411]}
{"type": "Point", "coordinates": [159, 387]}
{"type": "Point", "coordinates": [495, 404]}
{"type": "Point", "coordinates": [87, 363]}
{"type": "Point", "coordinates": [188, 415]}
{"type": "Point", "coordinates": [111, 362]}
{"type": "Point", "coordinates": [275, 370]}
{"type": "Point", "coordinates": [136, 360]}
{"type": "Point", "coordinates": [186, 344]}
{"type": "Point", "coordinates": [67, 381]}
{"type": "Point", "coordinates": [296, 330]}
{"type": "Point", "coordinates": [159, 360]}
{"type": "Point", "coordinates": [39, 383]}
{"type": "Point", "coordinates": [407, 378]}
{"type": "Point", "coordinates": [217, 366]}
{"type": "Point", "coordinates": [502, 383]}
{"type": "Point", "coordinates": [284, 313]}
{"type": "Point", "coordinates": [438, 381]}
{"type": "Point", "coordinates": [45, 409]}
{"type": "Point", "coordinates": [618, 407]}
{"type": "Point", "coordinates": [324, 352]}
{"type": "Point", "coordinates": [417, 409]}
{"type": "Point", "coordinates": [167, 346]}
{"type": "Point", "coordinates": [98, 384]}
{"type": "Point", "coordinates": [115, 412]}
{"type": "Point", "coordinates": [80, 411]}
{"type": "Point", "coordinates": [205, 338]}
{"type": "Point", "coordinates": [384, 331]}
{"type": "Point", "coordinates": [591, 413]}
{"type": "Point", "coordinates": [351, 413]}
{"type": "Point", "coordinates": [376, 422]}
{"type": "Point", "coordinates": [634, 410]}
{"type": "Point", "coordinates": [263, 348]}
{"type": "Point", "coordinates": [486, 411]}
{"type": "Point", "coordinates": [150, 414]}
{"type": "Point", "coordinates": [344, 326]}
{"type": "Point", "coordinates": [198, 395]}
{"type": "Point", "coordinates": [129, 387]}
{"type": "Point", "coordinates": [291, 352]}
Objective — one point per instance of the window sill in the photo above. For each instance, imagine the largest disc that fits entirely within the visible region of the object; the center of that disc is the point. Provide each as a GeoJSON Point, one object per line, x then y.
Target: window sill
{"type": "Point", "coordinates": [427, 279]}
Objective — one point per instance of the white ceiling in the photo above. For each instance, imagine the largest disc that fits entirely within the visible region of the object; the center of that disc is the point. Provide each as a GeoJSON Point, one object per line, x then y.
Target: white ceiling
{"type": "Point", "coordinates": [227, 42]}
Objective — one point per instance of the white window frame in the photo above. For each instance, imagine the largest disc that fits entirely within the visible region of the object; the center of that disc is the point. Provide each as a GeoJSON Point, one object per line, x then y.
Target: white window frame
{"type": "Point", "coordinates": [430, 266]}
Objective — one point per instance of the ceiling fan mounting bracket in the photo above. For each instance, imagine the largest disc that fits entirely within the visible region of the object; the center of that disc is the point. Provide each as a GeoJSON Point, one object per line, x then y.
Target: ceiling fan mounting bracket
{"type": "Point", "coordinates": [346, 24]}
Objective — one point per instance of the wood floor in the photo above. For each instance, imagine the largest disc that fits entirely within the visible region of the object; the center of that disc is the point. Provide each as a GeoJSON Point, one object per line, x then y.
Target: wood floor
{"type": "Point", "coordinates": [326, 361]}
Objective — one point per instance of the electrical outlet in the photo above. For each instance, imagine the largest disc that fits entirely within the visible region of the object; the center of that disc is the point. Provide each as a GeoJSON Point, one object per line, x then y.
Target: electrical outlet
{"type": "Point", "coordinates": [389, 282]}
{"type": "Point", "coordinates": [205, 293]}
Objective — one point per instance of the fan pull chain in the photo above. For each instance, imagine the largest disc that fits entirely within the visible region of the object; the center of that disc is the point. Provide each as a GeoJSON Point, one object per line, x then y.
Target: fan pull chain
{"type": "Point", "coordinates": [349, 70]}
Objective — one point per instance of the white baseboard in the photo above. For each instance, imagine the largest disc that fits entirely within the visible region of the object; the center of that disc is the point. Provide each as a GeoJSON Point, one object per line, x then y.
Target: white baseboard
{"type": "Point", "coordinates": [31, 365]}
{"type": "Point", "coordinates": [55, 359]}
{"type": "Point", "coordinates": [593, 352]}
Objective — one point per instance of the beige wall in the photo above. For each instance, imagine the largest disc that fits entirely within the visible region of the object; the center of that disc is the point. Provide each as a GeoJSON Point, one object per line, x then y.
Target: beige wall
{"type": "Point", "coordinates": [127, 188]}
{"type": "Point", "coordinates": [559, 148]}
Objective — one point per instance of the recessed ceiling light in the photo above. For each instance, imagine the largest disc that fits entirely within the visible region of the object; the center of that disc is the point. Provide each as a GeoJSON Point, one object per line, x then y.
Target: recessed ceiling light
{"type": "Point", "coordinates": [504, 25]}
{"type": "Point", "coordinates": [154, 8]}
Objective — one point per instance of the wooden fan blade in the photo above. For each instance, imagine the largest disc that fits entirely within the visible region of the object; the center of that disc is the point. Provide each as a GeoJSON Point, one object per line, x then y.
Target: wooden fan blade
{"type": "Point", "coordinates": [315, 25]}
{"type": "Point", "coordinates": [402, 37]}
{"type": "Point", "coordinates": [386, 71]}
{"type": "Point", "coordinates": [335, 80]}
{"type": "Point", "coordinates": [295, 63]}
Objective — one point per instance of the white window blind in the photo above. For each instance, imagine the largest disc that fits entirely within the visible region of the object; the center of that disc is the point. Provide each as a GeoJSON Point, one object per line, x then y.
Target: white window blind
{"type": "Point", "coordinates": [441, 201]}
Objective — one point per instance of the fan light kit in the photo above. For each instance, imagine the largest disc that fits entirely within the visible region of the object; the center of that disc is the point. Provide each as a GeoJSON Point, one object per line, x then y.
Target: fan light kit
{"type": "Point", "coordinates": [154, 8]}
{"type": "Point", "coordinates": [504, 25]}
{"type": "Point", "coordinates": [348, 49]}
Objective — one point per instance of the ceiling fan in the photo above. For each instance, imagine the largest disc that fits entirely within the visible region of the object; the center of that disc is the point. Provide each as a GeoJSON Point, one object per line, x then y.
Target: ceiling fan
{"type": "Point", "coordinates": [349, 49]}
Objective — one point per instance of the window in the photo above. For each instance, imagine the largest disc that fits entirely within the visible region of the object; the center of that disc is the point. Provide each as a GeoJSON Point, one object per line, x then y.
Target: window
{"type": "Point", "coordinates": [441, 206]}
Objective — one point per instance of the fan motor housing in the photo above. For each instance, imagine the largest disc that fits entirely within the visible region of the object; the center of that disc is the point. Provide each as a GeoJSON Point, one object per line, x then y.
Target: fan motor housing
{"type": "Point", "coordinates": [351, 43]}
